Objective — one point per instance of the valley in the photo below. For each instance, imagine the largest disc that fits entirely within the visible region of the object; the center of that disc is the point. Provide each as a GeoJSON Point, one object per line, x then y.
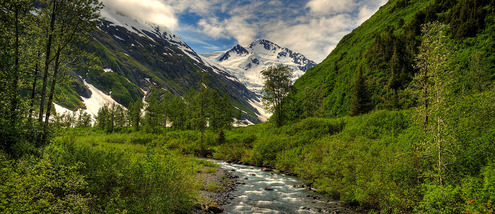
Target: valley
{"type": "Point", "coordinates": [104, 109]}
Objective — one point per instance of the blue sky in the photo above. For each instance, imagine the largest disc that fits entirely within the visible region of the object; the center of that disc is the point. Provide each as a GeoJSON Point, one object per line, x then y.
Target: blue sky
{"type": "Point", "coordinates": [311, 27]}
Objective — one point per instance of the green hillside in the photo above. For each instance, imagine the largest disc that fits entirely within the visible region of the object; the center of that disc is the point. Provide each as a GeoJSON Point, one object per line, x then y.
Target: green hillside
{"type": "Point", "coordinates": [384, 49]}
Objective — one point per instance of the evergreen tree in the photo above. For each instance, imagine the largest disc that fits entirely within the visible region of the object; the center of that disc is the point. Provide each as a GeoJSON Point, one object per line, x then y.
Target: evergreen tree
{"type": "Point", "coordinates": [177, 112]}
{"type": "Point", "coordinates": [102, 117]}
{"type": "Point", "coordinates": [220, 111]}
{"type": "Point", "coordinates": [360, 95]}
{"type": "Point", "coordinates": [153, 115]}
{"type": "Point", "coordinates": [134, 114]}
{"type": "Point", "coordinates": [83, 119]}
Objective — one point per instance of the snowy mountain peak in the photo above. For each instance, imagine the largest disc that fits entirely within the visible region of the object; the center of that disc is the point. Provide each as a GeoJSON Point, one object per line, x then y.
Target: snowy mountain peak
{"type": "Point", "coordinates": [236, 50]}
{"type": "Point", "coordinates": [267, 45]}
{"type": "Point", "coordinates": [246, 63]}
{"type": "Point", "coordinates": [148, 30]}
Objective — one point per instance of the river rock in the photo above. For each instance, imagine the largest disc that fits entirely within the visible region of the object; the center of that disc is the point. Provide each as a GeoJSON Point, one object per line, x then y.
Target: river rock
{"type": "Point", "coordinates": [298, 186]}
{"type": "Point", "coordinates": [214, 208]}
{"type": "Point", "coordinates": [266, 169]}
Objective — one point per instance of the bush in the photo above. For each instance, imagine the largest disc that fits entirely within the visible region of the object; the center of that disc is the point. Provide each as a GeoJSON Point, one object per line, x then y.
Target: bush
{"type": "Point", "coordinates": [71, 178]}
{"type": "Point", "coordinates": [440, 199]}
{"type": "Point", "coordinates": [34, 185]}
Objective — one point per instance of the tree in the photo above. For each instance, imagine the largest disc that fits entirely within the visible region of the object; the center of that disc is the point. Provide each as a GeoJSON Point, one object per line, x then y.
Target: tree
{"type": "Point", "coordinates": [83, 120]}
{"type": "Point", "coordinates": [238, 117]}
{"type": "Point", "coordinates": [360, 95]}
{"type": "Point", "coordinates": [134, 114]}
{"type": "Point", "coordinates": [278, 82]}
{"type": "Point", "coordinates": [478, 74]}
{"type": "Point", "coordinates": [63, 22]}
{"type": "Point", "coordinates": [177, 112]}
{"type": "Point", "coordinates": [15, 22]}
{"type": "Point", "coordinates": [220, 111]}
{"type": "Point", "coordinates": [434, 87]}
{"type": "Point", "coordinates": [102, 117]}
{"type": "Point", "coordinates": [154, 115]}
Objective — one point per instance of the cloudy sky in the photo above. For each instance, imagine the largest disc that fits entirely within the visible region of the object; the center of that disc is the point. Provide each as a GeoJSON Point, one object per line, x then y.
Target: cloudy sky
{"type": "Point", "coordinates": [312, 27]}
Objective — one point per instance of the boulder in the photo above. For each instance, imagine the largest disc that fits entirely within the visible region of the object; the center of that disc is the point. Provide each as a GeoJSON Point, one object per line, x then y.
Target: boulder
{"type": "Point", "coordinates": [298, 186]}
{"type": "Point", "coordinates": [214, 208]}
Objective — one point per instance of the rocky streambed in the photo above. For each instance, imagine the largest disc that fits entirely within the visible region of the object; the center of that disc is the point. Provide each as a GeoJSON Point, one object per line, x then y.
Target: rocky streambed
{"type": "Point", "coordinates": [261, 190]}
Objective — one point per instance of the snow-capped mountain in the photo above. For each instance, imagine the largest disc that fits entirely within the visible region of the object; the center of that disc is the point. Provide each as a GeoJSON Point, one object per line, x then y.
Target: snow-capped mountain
{"type": "Point", "coordinates": [247, 63]}
{"type": "Point", "coordinates": [138, 57]}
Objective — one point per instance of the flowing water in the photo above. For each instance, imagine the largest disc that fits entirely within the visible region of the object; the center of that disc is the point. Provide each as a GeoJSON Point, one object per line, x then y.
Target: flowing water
{"type": "Point", "coordinates": [269, 192]}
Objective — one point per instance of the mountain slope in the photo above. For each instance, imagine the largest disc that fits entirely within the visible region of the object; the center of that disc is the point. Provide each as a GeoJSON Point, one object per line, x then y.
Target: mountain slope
{"type": "Point", "coordinates": [384, 49]}
{"type": "Point", "coordinates": [137, 57]}
{"type": "Point", "coordinates": [247, 63]}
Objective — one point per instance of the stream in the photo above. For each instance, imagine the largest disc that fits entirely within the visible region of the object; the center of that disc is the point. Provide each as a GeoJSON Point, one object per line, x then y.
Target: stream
{"type": "Point", "coordinates": [270, 192]}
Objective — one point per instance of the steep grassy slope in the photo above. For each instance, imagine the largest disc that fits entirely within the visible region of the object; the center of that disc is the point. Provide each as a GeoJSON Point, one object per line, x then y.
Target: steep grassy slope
{"type": "Point", "coordinates": [384, 48]}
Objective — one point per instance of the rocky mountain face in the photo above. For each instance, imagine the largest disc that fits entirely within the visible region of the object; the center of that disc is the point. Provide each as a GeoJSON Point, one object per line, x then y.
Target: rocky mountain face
{"type": "Point", "coordinates": [138, 57]}
{"type": "Point", "coordinates": [247, 63]}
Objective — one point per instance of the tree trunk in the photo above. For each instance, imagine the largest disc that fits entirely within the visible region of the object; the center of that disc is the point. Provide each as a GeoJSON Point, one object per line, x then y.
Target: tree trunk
{"type": "Point", "coordinates": [47, 60]}
{"type": "Point", "coordinates": [15, 81]}
{"type": "Point", "coordinates": [52, 92]}
{"type": "Point", "coordinates": [425, 90]}
{"type": "Point", "coordinates": [33, 90]}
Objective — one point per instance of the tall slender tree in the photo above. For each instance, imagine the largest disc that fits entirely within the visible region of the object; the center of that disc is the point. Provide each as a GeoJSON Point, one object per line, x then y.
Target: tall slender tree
{"type": "Point", "coordinates": [15, 21]}
{"type": "Point", "coordinates": [434, 86]}
{"type": "Point", "coordinates": [70, 21]}
{"type": "Point", "coordinates": [278, 81]}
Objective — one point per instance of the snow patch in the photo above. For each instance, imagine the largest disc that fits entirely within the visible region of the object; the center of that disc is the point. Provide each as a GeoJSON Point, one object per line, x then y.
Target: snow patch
{"type": "Point", "coordinates": [62, 110]}
{"type": "Point", "coordinates": [97, 100]}
{"type": "Point", "coordinates": [263, 114]}
{"type": "Point", "coordinates": [119, 38]}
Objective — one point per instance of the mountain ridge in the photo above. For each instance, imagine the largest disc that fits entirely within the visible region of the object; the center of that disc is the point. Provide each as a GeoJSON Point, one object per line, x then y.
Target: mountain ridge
{"type": "Point", "coordinates": [247, 63]}
{"type": "Point", "coordinates": [137, 57]}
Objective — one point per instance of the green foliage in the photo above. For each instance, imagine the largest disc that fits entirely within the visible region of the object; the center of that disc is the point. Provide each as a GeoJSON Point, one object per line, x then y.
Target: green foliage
{"type": "Point", "coordinates": [468, 18]}
{"type": "Point", "coordinates": [439, 199]}
{"type": "Point", "coordinates": [78, 176]}
{"type": "Point", "coordinates": [278, 81]}
{"type": "Point", "coordinates": [385, 47]}
{"type": "Point", "coordinates": [35, 185]}
{"type": "Point", "coordinates": [361, 98]}
{"type": "Point", "coordinates": [375, 160]}
{"type": "Point", "coordinates": [111, 118]}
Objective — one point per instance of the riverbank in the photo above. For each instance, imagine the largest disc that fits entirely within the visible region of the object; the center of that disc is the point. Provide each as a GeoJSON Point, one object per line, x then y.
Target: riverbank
{"type": "Point", "coordinates": [216, 184]}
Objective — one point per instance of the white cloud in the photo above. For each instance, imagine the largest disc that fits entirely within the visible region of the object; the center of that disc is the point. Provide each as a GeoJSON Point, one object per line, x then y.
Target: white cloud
{"type": "Point", "coordinates": [201, 7]}
{"type": "Point", "coordinates": [150, 11]}
{"type": "Point", "coordinates": [313, 28]}
{"type": "Point", "coordinates": [314, 39]}
{"type": "Point", "coordinates": [367, 10]}
{"type": "Point", "coordinates": [331, 6]}
{"type": "Point", "coordinates": [235, 27]}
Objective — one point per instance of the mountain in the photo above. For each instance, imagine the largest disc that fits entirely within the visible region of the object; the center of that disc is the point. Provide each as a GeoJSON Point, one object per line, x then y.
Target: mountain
{"type": "Point", "coordinates": [137, 58]}
{"type": "Point", "coordinates": [247, 63]}
{"type": "Point", "coordinates": [384, 49]}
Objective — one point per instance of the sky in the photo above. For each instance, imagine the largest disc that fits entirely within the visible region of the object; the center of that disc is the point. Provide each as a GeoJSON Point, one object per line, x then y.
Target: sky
{"type": "Point", "coordinates": [311, 27]}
